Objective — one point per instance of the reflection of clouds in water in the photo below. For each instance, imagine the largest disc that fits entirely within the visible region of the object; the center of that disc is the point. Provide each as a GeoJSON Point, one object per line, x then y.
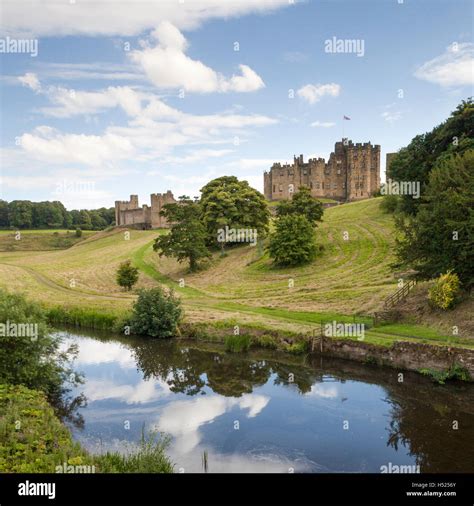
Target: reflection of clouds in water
{"type": "Point", "coordinates": [324, 390]}
{"type": "Point", "coordinates": [144, 391]}
{"type": "Point", "coordinates": [262, 462]}
{"type": "Point", "coordinates": [182, 419]}
{"type": "Point", "coordinates": [92, 352]}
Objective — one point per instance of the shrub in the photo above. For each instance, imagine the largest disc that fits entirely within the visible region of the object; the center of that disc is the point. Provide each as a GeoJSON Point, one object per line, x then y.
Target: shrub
{"type": "Point", "coordinates": [390, 203]}
{"type": "Point", "coordinates": [446, 291]}
{"type": "Point", "coordinates": [299, 348]}
{"type": "Point", "coordinates": [78, 232]}
{"type": "Point", "coordinates": [293, 241]}
{"type": "Point", "coordinates": [237, 344]}
{"type": "Point", "coordinates": [265, 341]}
{"type": "Point", "coordinates": [127, 275]}
{"type": "Point", "coordinates": [156, 313]}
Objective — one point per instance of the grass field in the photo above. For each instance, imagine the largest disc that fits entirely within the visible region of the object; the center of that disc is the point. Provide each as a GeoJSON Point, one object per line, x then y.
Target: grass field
{"type": "Point", "coordinates": [39, 240]}
{"type": "Point", "coordinates": [346, 283]}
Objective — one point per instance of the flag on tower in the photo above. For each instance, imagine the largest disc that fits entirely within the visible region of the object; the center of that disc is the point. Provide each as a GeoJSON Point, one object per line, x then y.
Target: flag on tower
{"type": "Point", "coordinates": [346, 117]}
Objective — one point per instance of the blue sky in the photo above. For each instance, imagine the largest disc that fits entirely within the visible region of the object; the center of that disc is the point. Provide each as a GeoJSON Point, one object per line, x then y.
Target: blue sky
{"type": "Point", "coordinates": [142, 97]}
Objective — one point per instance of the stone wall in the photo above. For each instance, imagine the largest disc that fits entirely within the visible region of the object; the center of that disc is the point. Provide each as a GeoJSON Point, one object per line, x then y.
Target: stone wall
{"type": "Point", "coordinates": [129, 214]}
{"type": "Point", "coordinates": [402, 354]}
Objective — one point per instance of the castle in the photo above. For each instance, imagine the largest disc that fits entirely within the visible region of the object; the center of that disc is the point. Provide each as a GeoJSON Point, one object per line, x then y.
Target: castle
{"type": "Point", "coordinates": [351, 173]}
{"type": "Point", "coordinates": [129, 214]}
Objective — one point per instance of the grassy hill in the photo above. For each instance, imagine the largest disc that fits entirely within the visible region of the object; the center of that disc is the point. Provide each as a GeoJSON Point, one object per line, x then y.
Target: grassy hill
{"type": "Point", "coordinates": [347, 282]}
{"type": "Point", "coordinates": [39, 240]}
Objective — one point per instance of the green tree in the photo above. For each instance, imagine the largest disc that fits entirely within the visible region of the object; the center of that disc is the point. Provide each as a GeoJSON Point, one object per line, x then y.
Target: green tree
{"type": "Point", "coordinates": [78, 232]}
{"type": "Point", "coordinates": [85, 221]}
{"type": "Point", "coordinates": [293, 241]}
{"type": "Point", "coordinates": [47, 215]}
{"type": "Point", "coordinates": [186, 239]}
{"type": "Point", "coordinates": [440, 238]}
{"type": "Point", "coordinates": [302, 203]}
{"type": "Point", "coordinates": [4, 223]}
{"type": "Point", "coordinates": [226, 201]}
{"type": "Point", "coordinates": [156, 313]}
{"type": "Point", "coordinates": [127, 275]}
{"type": "Point", "coordinates": [415, 162]}
{"type": "Point", "coordinates": [97, 220]}
{"type": "Point", "coordinates": [20, 213]}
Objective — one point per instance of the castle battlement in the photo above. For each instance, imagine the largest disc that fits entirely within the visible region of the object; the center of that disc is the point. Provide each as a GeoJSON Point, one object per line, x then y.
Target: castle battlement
{"type": "Point", "coordinates": [352, 172]}
{"type": "Point", "coordinates": [129, 214]}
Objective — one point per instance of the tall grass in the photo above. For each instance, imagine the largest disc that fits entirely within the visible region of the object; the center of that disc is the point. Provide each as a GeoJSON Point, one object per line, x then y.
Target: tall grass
{"type": "Point", "coordinates": [237, 344]}
{"type": "Point", "coordinates": [86, 317]}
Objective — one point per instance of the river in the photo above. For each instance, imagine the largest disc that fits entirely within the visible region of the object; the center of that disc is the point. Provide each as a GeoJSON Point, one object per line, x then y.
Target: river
{"type": "Point", "coordinates": [266, 411]}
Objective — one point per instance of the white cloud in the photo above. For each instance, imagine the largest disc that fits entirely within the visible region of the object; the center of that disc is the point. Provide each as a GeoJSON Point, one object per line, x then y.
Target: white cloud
{"type": "Point", "coordinates": [90, 71]}
{"type": "Point", "coordinates": [391, 116]}
{"type": "Point", "coordinates": [31, 80]}
{"type": "Point", "coordinates": [69, 102]}
{"type": "Point", "coordinates": [51, 146]}
{"type": "Point", "coordinates": [152, 132]}
{"type": "Point", "coordinates": [57, 19]}
{"type": "Point", "coordinates": [313, 93]}
{"type": "Point", "coordinates": [455, 67]}
{"type": "Point", "coordinates": [322, 124]}
{"type": "Point", "coordinates": [168, 67]}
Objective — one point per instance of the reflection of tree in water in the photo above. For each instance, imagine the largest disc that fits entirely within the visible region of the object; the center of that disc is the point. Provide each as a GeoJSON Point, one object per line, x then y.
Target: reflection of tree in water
{"type": "Point", "coordinates": [422, 421]}
{"type": "Point", "coordinates": [232, 375]}
{"type": "Point", "coordinates": [302, 378]}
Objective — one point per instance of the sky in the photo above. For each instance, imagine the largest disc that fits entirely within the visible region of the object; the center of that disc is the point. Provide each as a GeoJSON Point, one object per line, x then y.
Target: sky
{"type": "Point", "coordinates": [111, 98]}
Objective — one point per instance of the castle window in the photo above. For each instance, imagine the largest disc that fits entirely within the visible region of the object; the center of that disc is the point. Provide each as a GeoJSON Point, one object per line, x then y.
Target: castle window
{"type": "Point", "coordinates": [281, 173]}
{"type": "Point", "coordinates": [338, 171]}
{"type": "Point", "coordinates": [343, 186]}
{"type": "Point", "coordinates": [273, 188]}
{"type": "Point", "coordinates": [317, 185]}
{"type": "Point", "coordinates": [305, 172]}
{"type": "Point", "coordinates": [291, 173]}
{"type": "Point", "coordinates": [280, 188]}
{"type": "Point", "coordinates": [334, 186]}
{"type": "Point", "coordinates": [311, 184]}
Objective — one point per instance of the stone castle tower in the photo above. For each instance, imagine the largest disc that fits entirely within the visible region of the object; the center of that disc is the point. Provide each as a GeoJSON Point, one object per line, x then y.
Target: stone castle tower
{"type": "Point", "coordinates": [351, 173]}
{"type": "Point", "coordinates": [129, 214]}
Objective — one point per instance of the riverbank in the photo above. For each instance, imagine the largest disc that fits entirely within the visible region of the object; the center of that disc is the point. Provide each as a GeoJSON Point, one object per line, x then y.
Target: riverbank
{"type": "Point", "coordinates": [438, 356]}
{"type": "Point", "coordinates": [34, 440]}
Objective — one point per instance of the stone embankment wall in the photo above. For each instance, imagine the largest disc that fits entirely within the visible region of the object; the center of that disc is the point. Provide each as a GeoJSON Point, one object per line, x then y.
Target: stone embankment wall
{"type": "Point", "coordinates": [402, 354]}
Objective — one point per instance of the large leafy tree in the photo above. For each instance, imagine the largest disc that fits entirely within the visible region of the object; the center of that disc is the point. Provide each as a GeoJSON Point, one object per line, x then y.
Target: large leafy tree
{"type": "Point", "coordinates": [226, 201]}
{"type": "Point", "coordinates": [415, 162]}
{"type": "Point", "coordinates": [302, 203]}
{"type": "Point", "coordinates": [441, 235]}
{"type": "Point", "coordinates": [186, 239]}
{"type": "Point", "coordinates": [20, 213]}
{"type": "Point", "coordinates": [293, 241]}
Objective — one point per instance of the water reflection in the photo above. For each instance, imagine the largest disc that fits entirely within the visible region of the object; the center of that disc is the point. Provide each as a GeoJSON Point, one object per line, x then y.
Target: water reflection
{"type": "Point", "coordinates": [262, 411]}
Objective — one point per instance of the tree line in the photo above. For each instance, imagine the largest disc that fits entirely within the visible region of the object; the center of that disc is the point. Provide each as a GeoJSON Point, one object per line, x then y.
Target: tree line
{"type": "Point", "coordinates": [24, 214]}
